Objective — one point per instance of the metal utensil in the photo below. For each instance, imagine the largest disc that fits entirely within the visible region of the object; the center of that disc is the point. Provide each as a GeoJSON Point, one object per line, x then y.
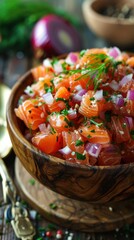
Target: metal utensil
{"type": "Point", "coordinates": [18, 214]}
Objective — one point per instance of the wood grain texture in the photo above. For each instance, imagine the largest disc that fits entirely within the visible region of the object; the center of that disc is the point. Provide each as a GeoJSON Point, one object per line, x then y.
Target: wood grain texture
{"type": "Point", "coordinates": [71, 213]}
{"type": "Point", "coordinates": [92, 184]}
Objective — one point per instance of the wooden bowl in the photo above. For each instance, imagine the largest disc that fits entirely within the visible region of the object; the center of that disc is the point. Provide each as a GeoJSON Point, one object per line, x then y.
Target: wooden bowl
{"type": "Point", "coordinates": [87, 183]}
{"type": "Point", "coordinates": [117, 31]}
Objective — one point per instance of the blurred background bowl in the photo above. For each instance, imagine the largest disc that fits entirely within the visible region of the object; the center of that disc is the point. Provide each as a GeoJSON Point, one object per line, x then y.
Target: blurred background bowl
{"type": "Point", "coordinates": [115, 27]}
{"type": "Point", "coordinates": [96, 184]}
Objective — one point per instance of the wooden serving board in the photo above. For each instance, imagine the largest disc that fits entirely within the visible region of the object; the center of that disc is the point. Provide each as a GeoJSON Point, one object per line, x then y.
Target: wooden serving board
{"type": "Point", "coordinates": [76, 215]}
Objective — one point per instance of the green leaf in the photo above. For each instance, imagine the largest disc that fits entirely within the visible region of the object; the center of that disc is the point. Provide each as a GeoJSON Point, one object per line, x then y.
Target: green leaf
{"type": "Point", "coordinates": [32, 181]}
{"type": "Point", "coordinates": [96, 123]}
{"type": "Point", "coordinates": [80, 156]}
{"type": "Point", "coordinates": [79, 143]}
{"type": "Point", "coordinates": [82, 53]}
{"type": "Point", "coordinates": [53, 206]}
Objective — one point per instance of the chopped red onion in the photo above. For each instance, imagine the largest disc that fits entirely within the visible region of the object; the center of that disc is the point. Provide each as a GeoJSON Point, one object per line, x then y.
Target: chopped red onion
{"type": "Point", "coordinates": [98, 95]}
{"type": "Point", "coordinates": [93, 149]}
{"type": "Point", "coordinates": [78, 87]}
{"type": "Point", "coordinates": [72, 58]}
{"type": "Point", "coordinates": [126, 79]}
{"type": "Point", "coordinates": [47, 62]}
{"type": "Point", "coordinates": [114, 98]}
{"type": "Point", "coordinates": [48, 97]}
{"type": "Point", "coordinates": [114, 52]}
{"type": "Point", "coordinates": [114, 85]}
{"type": "Point", "coordinates": [29, 91]}
{"type": "Point", "coordinates": [78, 96]}
{"type": "Point", "coordinates": [72, 113]}
{"type": "Point", "coordinates": [66, 150]}
{"type": "Point", "coordinates": [82, 92]}
{"type": "Point", "coordinates": [130, 95]}
{"type": "Point", "coordinates": [42, 127]}
{"type": "Point", "coordinates": [130, 122]}
{"type": "Point", "coordinates": [58, 67]}
{"type": "Point", "coordinates": [119, 101]}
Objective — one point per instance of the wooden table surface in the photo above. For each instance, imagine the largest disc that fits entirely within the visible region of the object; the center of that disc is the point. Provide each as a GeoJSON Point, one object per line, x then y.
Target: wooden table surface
{"type": "Point", "coordinates": [10, 70]}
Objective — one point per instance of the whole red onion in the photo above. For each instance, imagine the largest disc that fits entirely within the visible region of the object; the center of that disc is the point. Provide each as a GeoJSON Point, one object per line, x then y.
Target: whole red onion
{"type": "Point", "coordinates": [53, 35]}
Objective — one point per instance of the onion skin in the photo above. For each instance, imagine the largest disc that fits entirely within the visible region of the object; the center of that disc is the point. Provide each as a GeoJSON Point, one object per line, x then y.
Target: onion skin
{"type": "Point", "coordinates": [53, 35]}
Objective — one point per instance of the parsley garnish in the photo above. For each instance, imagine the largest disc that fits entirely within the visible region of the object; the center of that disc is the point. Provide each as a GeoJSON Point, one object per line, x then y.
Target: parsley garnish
{"type": "Point", "coordinates": [93, 131]}
{"type": "Point", "coordinates": [82, 53]}
{"type": "Point", "coordinates": [54, 61]}
{"type": "Point", "coordinates": [105, 93]}
{"type": "Point", "coordinates": [132, 134]}
{"type": "Point", "coordinates": [96, 123]}
{"type": "Point", "coordinates": [48, 88]}
{"type": "Point", "coordinates": [53, 206]}
{"type": "Point", "coordinates": [80, 156]}
{"type": "Point", "coordinates": [92, 99]}
{"type": "Point", "coordinates": [79, 143]}
{"type": "Point", "coordinates": [52, 130]}
{"type": "Point", "coordinates": [70, 124]}
{"type": "Point", "coordinates": [64, 66]}
{"type": "Point", "coordinates": [96, 68]}
{"type": "Point", "coordinates": [32, 181]}
{"type": "Point", "coordinates": [65, 112]}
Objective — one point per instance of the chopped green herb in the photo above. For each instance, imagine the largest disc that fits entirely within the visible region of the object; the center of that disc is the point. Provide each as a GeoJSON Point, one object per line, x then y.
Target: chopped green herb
{"type": "Point", "coordinates": [41, 103]}
{"type": "Point", "coordinates": [92, 99]}
{"type": "Point", "coordinates": [79, 143]}
{"type": "Point", "coordinates": [64, 65]}
{"type": "Point", "coordinates": [54, 61]}
{"type": "Point", "coordinates": [105, 93]}
{"type": "Point", "coordinates": [132, 134]}
{"type": "Point", "coordinates": [96, 123]}
{"type": "Point", "coordinates": [97, 68]}
{"type": "Point", "coordinates": [82, 53]}
{"type": "Point", "coordinates": [53, 206]}
{"type": "Point", "coordinates": [52, 130]}
{"type": "Point", "coordinates": [93, 131]}
{"type": "Point", "coordinates": [70, 124]}
{"type": "Point", "coordinates": [65, 112]}
{"type": "Point", "coordinates": [80, 156]}
{"type": "Point", "coordinates": [32, 181]}
{"type": "Point", "coordinates": [48, 88]}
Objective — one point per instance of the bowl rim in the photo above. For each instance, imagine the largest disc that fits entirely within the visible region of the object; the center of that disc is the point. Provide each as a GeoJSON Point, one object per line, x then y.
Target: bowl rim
{"type": "Point", "coordinates": [88, 4]}
{"type": "Point", "coordinates": [32, 148]}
